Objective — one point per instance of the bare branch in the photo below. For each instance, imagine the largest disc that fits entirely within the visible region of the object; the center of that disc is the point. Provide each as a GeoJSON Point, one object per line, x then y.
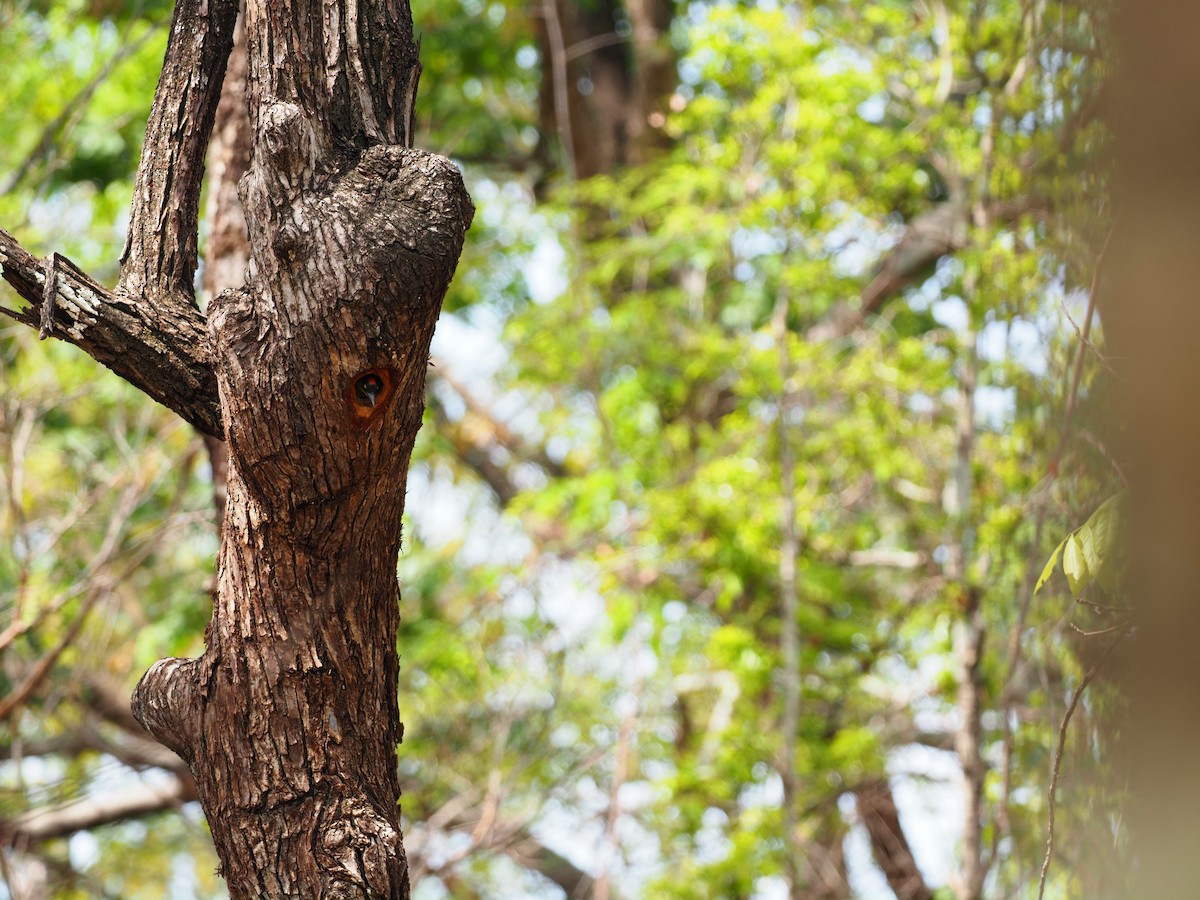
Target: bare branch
{"type": "Point", "coordinates": [474, 454]}
{"type": "Point", "coordinates": [929, 237]}
{"type": "Point", "coordinates": [91, 812]}
{"type": "Point", "coordinates": [148, 330]}
{"type": "Point", "coordinates": [163, 352]}
{"type": "Point", "coordinates": [1058, 755]}
{"type": "Point", "coordinates": [889, 845]}
{"type": "Point", "coordinates": [29, 684]}
{"type": "Point", "coordinates": [159, 259]}
{"type": "Point", "coordinates": [501, 433]}
{"type": "Point", "coordinates": [512, 837]}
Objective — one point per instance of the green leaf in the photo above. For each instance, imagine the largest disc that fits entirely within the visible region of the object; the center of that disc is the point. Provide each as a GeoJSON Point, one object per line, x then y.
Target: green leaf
{"type": "Point", "coordinates": [1050, 566]}
{"type": "Point", "coordinates": [1100, 535]}
{"type": "Point", "coordinates": [1075, 565]}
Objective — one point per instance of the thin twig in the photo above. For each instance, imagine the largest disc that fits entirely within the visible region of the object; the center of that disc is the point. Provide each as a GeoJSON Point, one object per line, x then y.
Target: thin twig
{"type": "Point", "coordinates": [22, 692]}
{"type": "Point", "coordinates": [1077, 374]}
{"type": "Point", "coordinates": [1112, 629]}
{"type": "Point", "coordinates": [1058, 755]}
{"type": "Point", "coordinates": [1103, 451]}
{"type": "Point", "coordinates": [558, 64]}
{"type": "Point", "coordinates": [1033, 563]}
{"type": "Point", "coordinates": [599, 42]}
{"type": "Point", "coordinates": [1104, 360]}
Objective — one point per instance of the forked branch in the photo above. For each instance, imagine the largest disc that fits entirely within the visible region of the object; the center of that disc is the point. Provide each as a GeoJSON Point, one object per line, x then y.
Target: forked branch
{"type": "Point", "coordinates": [149, 330]}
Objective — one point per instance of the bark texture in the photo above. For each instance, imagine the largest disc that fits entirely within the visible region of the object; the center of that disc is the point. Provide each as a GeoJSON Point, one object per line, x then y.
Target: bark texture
{"type": "Point", "coordinates": [313, 371]}
{"type": "Point", "coordinates": [289, 721]}
{"type": "Point", "coordinates": [163, 351]}
{"type": "Point", "coordinates": [149, 330]}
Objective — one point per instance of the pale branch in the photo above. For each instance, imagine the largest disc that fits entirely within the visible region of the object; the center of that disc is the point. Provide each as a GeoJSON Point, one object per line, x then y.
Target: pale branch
{"type": "Point", "coordinates": [474, 453]}
{"type": "Point", "coordinates": [136, 750]}
{"type": "Point", "coordinates": [60, 745]}
{"type": "Point", "coordinates": [888, 558]}
{"type": "Point", "coordinates": [515, 444]}
{"type": "Point", "coordinates": [479, 436]}
{"type": "Point", "coordinates": [65, 819]}
{"type": "Point", "coordinates": [512, 837]}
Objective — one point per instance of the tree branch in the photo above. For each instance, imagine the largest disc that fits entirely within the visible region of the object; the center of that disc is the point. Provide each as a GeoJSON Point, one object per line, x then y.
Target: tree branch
{"type": "Point", "coordinates": [148, 330]}
{"type": "Point", "coordinates": [929, 237]}
{"type": "Point", "coordinates": [163, 352]}
{"type": "Point", "coordinates": [889, 846]}
{"type": "Point", "coordinates": [41, 825]}
{"type": "Point", "coordinates": [159, 259]}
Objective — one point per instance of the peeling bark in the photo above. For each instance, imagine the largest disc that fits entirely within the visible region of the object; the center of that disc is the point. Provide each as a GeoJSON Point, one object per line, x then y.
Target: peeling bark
{"type": "Point", "coordinates": [163, 352]}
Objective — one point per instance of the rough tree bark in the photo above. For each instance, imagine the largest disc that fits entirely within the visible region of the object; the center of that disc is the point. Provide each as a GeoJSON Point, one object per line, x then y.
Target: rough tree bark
{"type": "Point", "coordinates": [314, 373]}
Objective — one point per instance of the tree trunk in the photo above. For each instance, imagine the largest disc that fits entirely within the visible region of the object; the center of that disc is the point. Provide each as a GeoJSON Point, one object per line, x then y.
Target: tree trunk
{"type": "Point", "coordinates": [889, 845]}
{"type": "Point", "coordinates": [609, 69]}
{"type": "Point", "coordinates": [289, 721]}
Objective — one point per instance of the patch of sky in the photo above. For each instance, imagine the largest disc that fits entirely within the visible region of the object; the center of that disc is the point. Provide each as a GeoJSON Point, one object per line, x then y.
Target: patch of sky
{"type": "Point", "coordinates": [84, 850]}
{"type": "Point", "coordinates": [569, 601]}
{"type": "Point", "coordinates": [866, 881]}
{"type": "Point", "coordinates": [982, 116]}
{"type": "Point", "coordinates": [927, 786]}
{"type": "Point", "coordinates": [921, 403]}
{"type": "Point", "coordinates": [951, 312]}
{"type": "Point", "coordinates": [527, 56]}
{"type": "Point", "coordinates": [855, 244]}
{"type": "Point", "coordinates": [839, 60]}
{"type": "Point", "coordinates": [691, 69]}
{"type": "Point", "coordinates": [995, 407]}
{"type": "Point", "coordinates": [183, 882]}
{"type": "Point", "coordinates": [873, 109]}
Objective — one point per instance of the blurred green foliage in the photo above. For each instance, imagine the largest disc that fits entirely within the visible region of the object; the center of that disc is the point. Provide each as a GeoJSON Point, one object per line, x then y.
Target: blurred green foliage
{"type": "Point", "coordinates": [611, 634]}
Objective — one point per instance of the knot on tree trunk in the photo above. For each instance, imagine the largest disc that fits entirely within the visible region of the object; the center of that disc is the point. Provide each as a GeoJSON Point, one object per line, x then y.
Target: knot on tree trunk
{"type": "Point", "coordinates": [348, 277]}
{"type": "Point", "coordinates": [358, 842]}
{"type": "Point", "coordinates": [164, 702]}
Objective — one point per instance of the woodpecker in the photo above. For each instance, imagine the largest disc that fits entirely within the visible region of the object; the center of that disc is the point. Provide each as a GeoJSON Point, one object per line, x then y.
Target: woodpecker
{"type": "Point", "coordinates": [368, 389]}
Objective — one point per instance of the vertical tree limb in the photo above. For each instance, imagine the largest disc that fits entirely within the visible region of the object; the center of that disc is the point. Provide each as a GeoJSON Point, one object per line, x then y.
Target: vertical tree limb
{"type": "Point", "coordinates": [159, 258]}
{"type": "Point", "coordinates": [289, 720]}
